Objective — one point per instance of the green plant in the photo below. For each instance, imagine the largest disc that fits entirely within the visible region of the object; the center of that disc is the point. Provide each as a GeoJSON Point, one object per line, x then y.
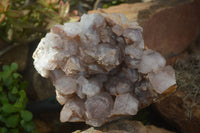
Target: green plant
{"type": "Point", "coordinates": [22, 23]}
{"type": "Point", "coordinates": [14, 118]}
{"type": "Point", "coordinates": [56, 12]}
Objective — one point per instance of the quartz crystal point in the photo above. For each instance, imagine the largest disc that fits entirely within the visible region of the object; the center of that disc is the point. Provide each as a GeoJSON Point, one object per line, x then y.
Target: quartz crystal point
{"type": "Point", "coordinates": [101, 68]}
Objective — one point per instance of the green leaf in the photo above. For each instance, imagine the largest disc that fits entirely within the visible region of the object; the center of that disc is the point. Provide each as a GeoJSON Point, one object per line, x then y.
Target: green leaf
{"type": "Point", "coordinates": [2, 118]}
{"type": "Point", "coordinates": [63, 9]}
{"type": "Point", "coordinates": [1, 88]}
{"type": "Point", "coordinates": [8, 81]}
{"type": "Point", "coordinates": [6, 68]}
{"type": "Point", "coordinates": [23, 99]}
{"type": "Point", "coordinates": [14, 14]}
{"type": "Point", "coordinates": [19, 105]}
{"type": "Point", "coordinates": [14, 66]}
{"type": "Point", "coordinates": [15, 130]}
{"type": "Point", "coordinates": [4, 130]}
{"type": "Point", "coordinates": [9, 108]}
{"type": "Point", "coordinates": [4, 98]}
{"type": "Point", "coordinates": [105, 6]}
{"type": "Point", "coordinates": [17, 75]}
{"type": "Point", "coordinates": [22, 94]}
{"type": "Point", "coordinates": [28, 126]}
{"type": "Point", "coordinates": [26, 115]}
{"type": "Point", "coordinates": [12, 121]}
{"type": "Point", "coordinates": [114, 2]}
{"type": "Point", "coordinates": [12, 97]}
{"type": "Point", "coordinates": [14, 90]}
{"type": "Point", "coordinates": [5, 74]}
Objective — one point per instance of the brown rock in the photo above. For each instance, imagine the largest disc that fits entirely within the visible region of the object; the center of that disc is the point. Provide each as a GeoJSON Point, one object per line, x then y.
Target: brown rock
{"type": "Point", "coordinates": [90, 130]}
{"type": "Point", "coordinates": [173, 110]}
{"type": "Point", "coordinates": [182, 109]}
{"type": "Point", "coordinates": [169, 26]}
{"type": "Point", "coordinates": [126, 126]}
{"type": "Point", "coordinates": [130, 10]}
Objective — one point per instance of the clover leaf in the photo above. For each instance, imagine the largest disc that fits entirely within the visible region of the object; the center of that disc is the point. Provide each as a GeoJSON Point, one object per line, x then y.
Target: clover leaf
{"type": "Point", "coordinates": [26, 115]}
{"type": "Point", "coordinates": [9, 108]}
{"type": "Point", "coordinates": [12, 121]}
{"type": "Point", "coordinates": [14, 67]}
{"type": "Point", "coordinates": [28, 126]}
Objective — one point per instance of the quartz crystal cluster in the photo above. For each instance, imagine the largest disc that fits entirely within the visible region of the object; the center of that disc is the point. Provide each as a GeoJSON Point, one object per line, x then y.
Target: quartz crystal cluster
{"type": "Point", "coordinates": [101, 68]}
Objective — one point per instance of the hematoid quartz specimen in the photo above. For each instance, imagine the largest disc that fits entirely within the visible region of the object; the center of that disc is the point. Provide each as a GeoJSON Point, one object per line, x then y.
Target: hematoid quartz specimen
{"type": "Point", "coordinates": [101, 68]}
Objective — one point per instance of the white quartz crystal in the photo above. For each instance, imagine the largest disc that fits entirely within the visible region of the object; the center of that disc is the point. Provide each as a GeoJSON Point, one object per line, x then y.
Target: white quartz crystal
{"type": "Point", "coordinates": [108, 56]}
{"type": "Point", "coordinates": [73, 65]}
{"type": "Point", "coordinates": [45, 55]}
{"type": "Point", "coordinates": [125, 104]}
{"type": "Point", "coordinates": [65, 85]}
{"type": "Point", "coordinates": [62, 99]}
{"type": "Point", "coordinates": [98, 108]}
{"type": "Point", "coordinates": [134, 53]}
{"type": "Point", "coordinates": [72, 29]}
{"type": "Point", "coordinates": [117, 86]}
{"type": "Point", "coordinates": [133, 35]}
{"type": "Point", "coordinates": [162, 79]}
{"type": "Point", "coordinates": [72, 110]}
{"type": "Point", "coordinates": [151, 61]}
{"type": "Point", "coordinates": [101, 68]}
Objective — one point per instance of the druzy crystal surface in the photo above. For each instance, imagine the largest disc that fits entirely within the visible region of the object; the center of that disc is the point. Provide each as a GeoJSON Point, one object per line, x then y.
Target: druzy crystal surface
{"type": "Point", "coordinates": [101, 68]}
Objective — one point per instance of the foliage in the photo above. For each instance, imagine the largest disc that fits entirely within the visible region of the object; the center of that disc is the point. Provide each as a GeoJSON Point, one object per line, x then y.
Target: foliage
{"type": "Point", "coordinates": [14, 118]}
{"type": "Point", "coordinates": [22, 22]}
{"type": "Point", "coordinates": [112, 3]}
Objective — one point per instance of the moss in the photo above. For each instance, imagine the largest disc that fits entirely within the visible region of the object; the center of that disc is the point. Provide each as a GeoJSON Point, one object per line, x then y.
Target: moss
{"type": "Point", "coordinates": [188, 78]}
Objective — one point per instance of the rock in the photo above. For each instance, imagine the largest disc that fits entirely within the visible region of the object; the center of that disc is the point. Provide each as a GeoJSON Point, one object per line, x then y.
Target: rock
{"type": "Point", "coordinates": [133, 127]}
{"type": "Point", "coordinates": [65, 85]}
{"type": "Point", "coordinates": [96, 77]}
{"type": "Point", "coordinates": [182, 109]}
{"type": "Point", "coordinates": [130, 108]}
{"type": "Point", "coordinates": [90, 130]}
{"type": "Point", "coordinates": [98, 109]}
{"type": "Point", "coordinates": [184, 119]}
{"type": "Point", "coordinates": [161, 79]}
{"type": "Point", "coordinates": [72, 110]}
{"type": "Point", "coordinates": [126, 126]}
{"type": "Point", "coordinates": [151, 61]}
{"type": "Point", "coordinates": [169, 26]}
